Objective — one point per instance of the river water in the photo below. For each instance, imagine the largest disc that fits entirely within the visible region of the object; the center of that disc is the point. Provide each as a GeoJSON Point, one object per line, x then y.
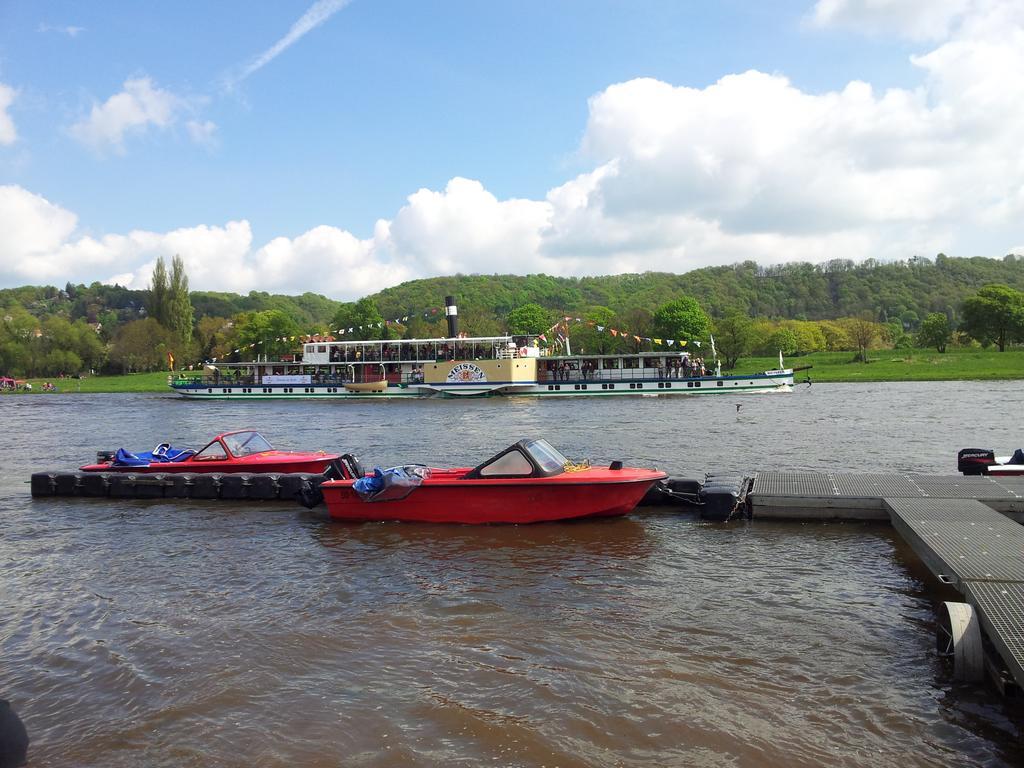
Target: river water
{"type": "Point", "coordinates": [148, 633]}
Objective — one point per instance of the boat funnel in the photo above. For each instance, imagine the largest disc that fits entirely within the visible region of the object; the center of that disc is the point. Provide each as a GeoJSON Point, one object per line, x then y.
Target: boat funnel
{"type": "Point", "coordinates": [452, 313]}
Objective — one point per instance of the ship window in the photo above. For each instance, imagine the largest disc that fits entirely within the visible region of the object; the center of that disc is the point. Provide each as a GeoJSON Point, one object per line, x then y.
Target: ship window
{"type": "Point", "coordinates": [721, 383]}
{"type": "Point", "coordinates": [689, 384]}
{"type": "Point", "coordinates": [551, 386]}
{"type": "Point", "coordinates": [322, 348]}
{"type": "Point", "coordinates": [696, 383]}
{"type": "Point", "coordinates": [512, 463]}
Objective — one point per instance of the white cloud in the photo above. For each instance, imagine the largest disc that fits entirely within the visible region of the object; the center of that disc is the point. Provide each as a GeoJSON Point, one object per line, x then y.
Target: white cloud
{"type": "Point", "coordinates": [466, 228]}
{"type": "Point", "coordinates": [316, 15]}
{"type": "Point", "coordinates": [915, 19]}
{"type": "Point", "coordinates": [70, 31]}
{"type": "Point", "coordinates": [203, 132]}
{"type": "Point", "coordinates": [133, 109]}
{"type": "Point", "coordinates": [8, 133]}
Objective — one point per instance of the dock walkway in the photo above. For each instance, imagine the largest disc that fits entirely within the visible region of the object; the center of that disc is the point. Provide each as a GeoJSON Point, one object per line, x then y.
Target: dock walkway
{"type": "Point", "coordinates": [962, 528]}
{"type": "Point", "coordinates": [978, 551]}
{"type": "Point", "coordinates": [828, 495]}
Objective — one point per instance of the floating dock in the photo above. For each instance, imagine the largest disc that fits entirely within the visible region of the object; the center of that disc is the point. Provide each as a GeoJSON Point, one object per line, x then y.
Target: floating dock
{"type": "Point", "coordinates": [842, 496]}
{"type": "Point", "coordinates": [964, 528]}
{"type": "Point", "coordinates": [237, 486]}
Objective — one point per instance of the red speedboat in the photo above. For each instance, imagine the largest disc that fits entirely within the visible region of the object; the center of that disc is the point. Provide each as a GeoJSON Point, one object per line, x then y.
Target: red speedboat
{"type": "Point", "coordinates": [245, 450]}
{"type": "Point", "coordinates": [529, 482]}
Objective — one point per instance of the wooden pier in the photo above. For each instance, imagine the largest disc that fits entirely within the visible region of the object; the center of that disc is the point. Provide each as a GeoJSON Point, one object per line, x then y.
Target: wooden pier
{"type": "Point", "coordinates": [965, 529]}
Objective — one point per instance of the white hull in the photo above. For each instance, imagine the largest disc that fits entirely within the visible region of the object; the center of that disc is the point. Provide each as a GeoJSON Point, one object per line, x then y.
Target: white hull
{"type": "Point", "coordinates": [774, 381]}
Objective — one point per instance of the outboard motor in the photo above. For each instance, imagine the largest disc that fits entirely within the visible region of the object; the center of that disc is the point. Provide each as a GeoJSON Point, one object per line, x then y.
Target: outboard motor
{"type": "Point", "coordinates": [975, 461]}
{"type": "Point", "coordinates": [352, 466]}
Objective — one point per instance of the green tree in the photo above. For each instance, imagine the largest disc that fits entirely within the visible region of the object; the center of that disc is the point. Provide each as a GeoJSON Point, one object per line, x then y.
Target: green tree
{"type": "Point", "coordinates": [681, 319]}
{"type": "Point", "coordinates": [157, 302]}
{"type": "Point", "coordinates": [836, 337]}
{"type": "Point", "coordinates": [995, 314]}
{"type": "Point", "coordinates": [784, 340]}
{"type": "Point", "coordinates": [633, 323]}
{"type": "Point", "coordinates": [179, 305]}
{"type": "Point", "coordinates": [17, 328]}
{"type": "Point", "coordinates": [585, 336]}
{"type": "Point", "coordinates": [272, 331]}
{"type": "Point", "coordinates": [529, 319]}
{"type": "Point", "coordinates": [142, 345]}
{"type": "Point", "coordinates": [935, 331]}
{"type": "Point", "coordinates": [213, 337]}
{"type": "Point", "coordinates": [360, 320]}
{"type": "Point", "coordinates": [734, 336]}
{"type": "Point", "coordinates": [863, 333]}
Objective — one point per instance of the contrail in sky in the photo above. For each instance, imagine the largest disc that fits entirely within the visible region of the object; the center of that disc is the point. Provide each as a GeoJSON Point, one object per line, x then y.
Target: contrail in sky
{"type": "Point", "coordinates": [317, 14]}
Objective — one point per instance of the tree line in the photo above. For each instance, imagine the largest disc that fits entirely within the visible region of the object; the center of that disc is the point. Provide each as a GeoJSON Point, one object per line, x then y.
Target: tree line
{"type": "Point", "coordinates": [795, 308]}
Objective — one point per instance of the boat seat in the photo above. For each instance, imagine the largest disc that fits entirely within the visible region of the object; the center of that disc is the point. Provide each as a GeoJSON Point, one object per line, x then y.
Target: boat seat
{"type": "Point", "coordinates": [353, 466]}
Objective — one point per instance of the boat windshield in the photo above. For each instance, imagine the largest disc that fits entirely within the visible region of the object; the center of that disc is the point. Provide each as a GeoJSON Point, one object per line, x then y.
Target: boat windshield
{"type": "Point", "coordinates": [246, 443]}
{"type": "Point", "coordinates": [547, 457]}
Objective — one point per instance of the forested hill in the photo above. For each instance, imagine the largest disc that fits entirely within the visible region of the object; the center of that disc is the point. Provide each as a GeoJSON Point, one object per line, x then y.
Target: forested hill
{"type": "Point", "coordinates": [887, 291]}
{"type": "Point", "coordinates": [905, 290]}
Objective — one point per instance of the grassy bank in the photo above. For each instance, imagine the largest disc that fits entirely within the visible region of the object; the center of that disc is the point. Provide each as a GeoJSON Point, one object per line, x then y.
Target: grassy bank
{"type": "Point", "coordinates": [132, 382]}
{"type": "Point", "coordinates": [902, 365]}
{"type": "Point", "coordinates": [884, 365]}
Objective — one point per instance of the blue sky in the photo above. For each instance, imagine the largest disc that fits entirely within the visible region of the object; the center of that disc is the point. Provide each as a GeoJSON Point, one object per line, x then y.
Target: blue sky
{"type": "Point", "coordinates": [381, 141]}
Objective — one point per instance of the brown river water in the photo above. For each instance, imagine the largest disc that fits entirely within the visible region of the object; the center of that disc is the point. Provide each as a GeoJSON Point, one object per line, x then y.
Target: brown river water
{"type": "Point", "coordinates": [176, 633]}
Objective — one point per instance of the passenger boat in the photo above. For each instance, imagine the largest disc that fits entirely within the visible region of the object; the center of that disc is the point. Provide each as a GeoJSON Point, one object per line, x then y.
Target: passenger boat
{"type": "Point", "coordinates": [983, 461]}
{"type": "Point", "coordinates": [528, 482]}
{"type": "Point", "coordinates": [459, 366]}
{"type": "Point", "coordinates": [244, 450]}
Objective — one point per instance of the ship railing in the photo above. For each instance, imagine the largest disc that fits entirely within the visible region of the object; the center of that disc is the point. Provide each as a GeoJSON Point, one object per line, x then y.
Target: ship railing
{"type": "Point", "coordinates": [576, 375]}
{"type": "Point", "coordinates": [206, 380]}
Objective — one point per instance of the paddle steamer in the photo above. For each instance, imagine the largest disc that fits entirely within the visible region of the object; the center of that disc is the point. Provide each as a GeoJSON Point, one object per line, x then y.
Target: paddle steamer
{"type": "Point", "coordinates": [458, 366]}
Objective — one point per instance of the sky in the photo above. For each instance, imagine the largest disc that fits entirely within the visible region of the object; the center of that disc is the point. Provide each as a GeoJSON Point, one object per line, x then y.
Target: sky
{"type": "Point", "coordinates": [344, 146]}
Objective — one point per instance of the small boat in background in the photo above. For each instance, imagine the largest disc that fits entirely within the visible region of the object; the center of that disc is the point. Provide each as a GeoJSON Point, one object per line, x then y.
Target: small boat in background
{"type": "Point", "coordinates": [244, 450]}
{"type": "Point", "coordinates": [528, 482]}
{"type": "Point", "coordinates": [983, 461]}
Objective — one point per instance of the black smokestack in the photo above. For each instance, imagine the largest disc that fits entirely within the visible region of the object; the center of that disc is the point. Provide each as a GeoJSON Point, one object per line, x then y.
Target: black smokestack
{"type": "Point", "coordinates": [452, 313]}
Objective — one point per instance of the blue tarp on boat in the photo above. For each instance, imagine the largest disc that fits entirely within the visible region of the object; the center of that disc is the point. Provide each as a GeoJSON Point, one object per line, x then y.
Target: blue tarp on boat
{"type": "Point", "coordinates": [390, 484]}
{"type": "Point", "coordinates": [162, 454]}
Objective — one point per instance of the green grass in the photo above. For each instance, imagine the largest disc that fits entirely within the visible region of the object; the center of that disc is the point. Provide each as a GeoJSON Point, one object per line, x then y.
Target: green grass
{"type": "Point", "coordinates": [885, 365]}
{"type": "Point", "coordinates": [132, 382]}
{"type": "Point", "coordinates": [902, 365]}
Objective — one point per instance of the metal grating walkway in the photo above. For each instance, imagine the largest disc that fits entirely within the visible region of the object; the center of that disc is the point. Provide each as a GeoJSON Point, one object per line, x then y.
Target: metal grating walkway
{"type": "Point", "coordinates": [979, 551]}
{"type": "Point", "coordinates": [769, 485]}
